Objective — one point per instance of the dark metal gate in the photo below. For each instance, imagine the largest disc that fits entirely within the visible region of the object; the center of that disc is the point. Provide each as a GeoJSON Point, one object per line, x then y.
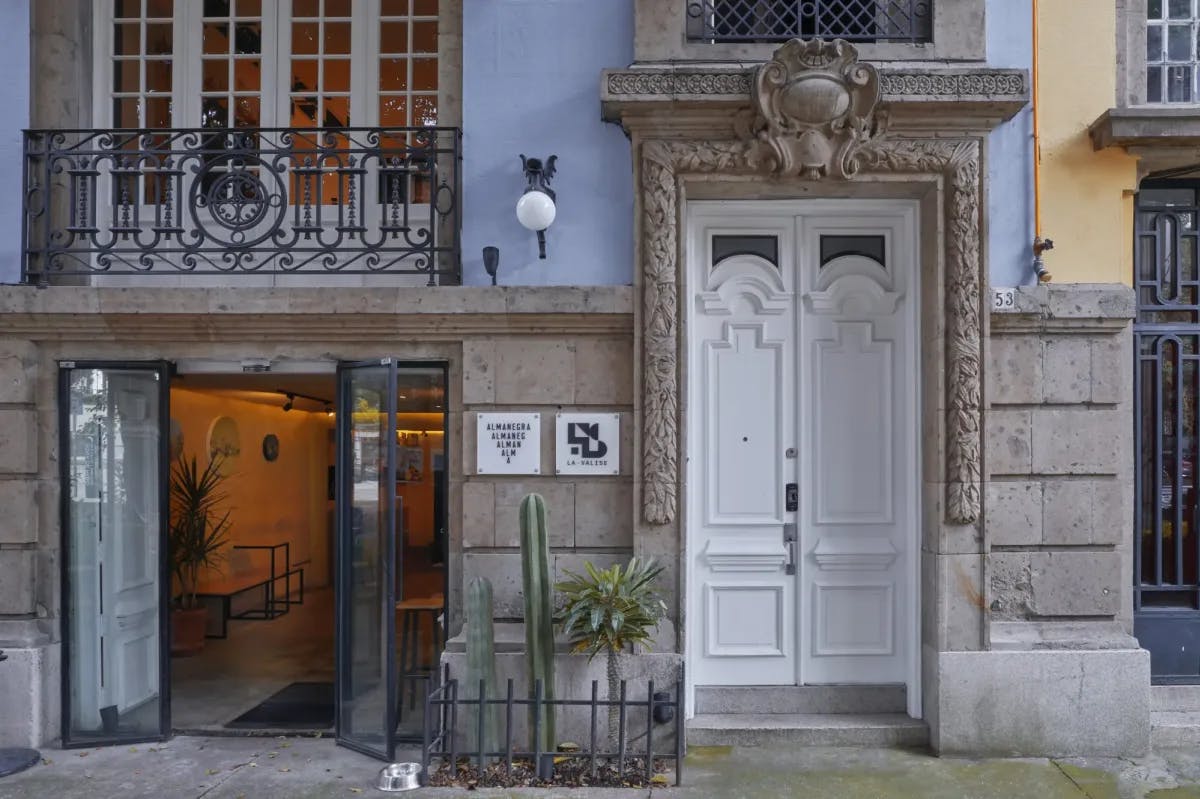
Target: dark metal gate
{"type": "Point", "coordinates": [1166, 385]}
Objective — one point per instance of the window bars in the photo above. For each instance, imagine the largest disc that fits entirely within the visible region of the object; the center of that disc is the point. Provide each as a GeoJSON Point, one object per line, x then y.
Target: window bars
{"type": "Point", "coordinates": [242, 201]}
{"type": "Point", "coordinates": [762, 21]}
{"type": "Point", "coordinates": [446, 705]}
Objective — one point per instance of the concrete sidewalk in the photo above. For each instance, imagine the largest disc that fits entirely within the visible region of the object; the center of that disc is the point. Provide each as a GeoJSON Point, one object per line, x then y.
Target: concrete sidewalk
{"type": "Point", "coordinates": [299, 768]}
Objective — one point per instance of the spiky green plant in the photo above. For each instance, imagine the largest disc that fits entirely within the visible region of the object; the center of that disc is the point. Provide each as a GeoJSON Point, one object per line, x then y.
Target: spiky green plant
{"type": "Point", "coordinates": [197, 533]}
{"type": "Point", "coordinates": [608, 610]}
{"type": "Point", "coordinates": [538, 588]}
{"type": "Point", "coordinates": [481, 663]}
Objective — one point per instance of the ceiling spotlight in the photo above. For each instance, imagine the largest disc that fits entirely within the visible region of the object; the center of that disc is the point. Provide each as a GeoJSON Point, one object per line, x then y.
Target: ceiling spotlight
{"type": "Point", "coordinates": [328, 410]}
{"type": "Point", "coordinates": [287, 406]}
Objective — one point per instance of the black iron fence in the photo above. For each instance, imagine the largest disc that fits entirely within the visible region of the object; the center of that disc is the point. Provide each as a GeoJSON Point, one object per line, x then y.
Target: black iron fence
{"type": "Point", "coordinates": [890, 21]}
{"type": "Point", "coordinates": [452, 720]}
{"type": "Point", "coordinates": [242, 200]}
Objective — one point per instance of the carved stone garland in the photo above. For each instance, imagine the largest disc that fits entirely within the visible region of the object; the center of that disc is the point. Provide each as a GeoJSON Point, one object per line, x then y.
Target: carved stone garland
{"type": "Point", "coordinates": [664, 163]}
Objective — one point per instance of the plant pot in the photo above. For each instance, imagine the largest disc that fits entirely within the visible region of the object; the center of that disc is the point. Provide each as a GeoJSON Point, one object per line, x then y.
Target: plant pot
{"type": "Point", "coordinates": [187, 631]}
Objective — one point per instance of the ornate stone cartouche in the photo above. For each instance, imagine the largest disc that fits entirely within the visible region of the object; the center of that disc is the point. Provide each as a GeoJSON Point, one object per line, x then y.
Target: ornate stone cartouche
{"type": "Point", "coordinates": [815, 108]}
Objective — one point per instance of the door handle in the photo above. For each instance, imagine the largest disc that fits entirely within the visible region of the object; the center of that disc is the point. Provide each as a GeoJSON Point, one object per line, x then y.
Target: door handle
{"type": "Point", "coordinates": [789, 541]}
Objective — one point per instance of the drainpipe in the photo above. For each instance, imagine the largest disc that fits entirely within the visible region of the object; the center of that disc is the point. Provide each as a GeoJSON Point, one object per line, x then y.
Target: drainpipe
{"type": "Point", "coordinates": [1040, 245]}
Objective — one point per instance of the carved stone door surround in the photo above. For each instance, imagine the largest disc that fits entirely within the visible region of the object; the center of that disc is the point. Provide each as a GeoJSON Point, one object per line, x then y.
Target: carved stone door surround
{"type": "Point", "coordinates": [814, 113]}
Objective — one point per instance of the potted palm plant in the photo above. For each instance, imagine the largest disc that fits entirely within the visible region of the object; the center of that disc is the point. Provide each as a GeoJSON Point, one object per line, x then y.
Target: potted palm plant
{"type": "Point", "coordinates": [198, 531]}
{"type": "Point", "coordinates": [608, 610]}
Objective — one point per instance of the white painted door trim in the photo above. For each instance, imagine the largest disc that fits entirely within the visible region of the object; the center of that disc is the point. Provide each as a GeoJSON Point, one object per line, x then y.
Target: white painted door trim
{"type": "Point", "coordinates": [898, 219]}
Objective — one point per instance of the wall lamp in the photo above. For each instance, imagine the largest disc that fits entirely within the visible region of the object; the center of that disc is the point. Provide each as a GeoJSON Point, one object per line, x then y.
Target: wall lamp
{"type": "Point", "coordinates": [536, 209]}
{"type": "Point", "coordinates": [491, 262]}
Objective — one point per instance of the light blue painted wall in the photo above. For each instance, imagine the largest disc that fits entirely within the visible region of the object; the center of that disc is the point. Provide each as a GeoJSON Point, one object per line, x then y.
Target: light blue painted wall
{"type": "Point", "coordinates": [531, 84]}
{"type": "Point", "coordinates": [1010, 153]}
{"type": "Point", "coordinates": [14, 99]}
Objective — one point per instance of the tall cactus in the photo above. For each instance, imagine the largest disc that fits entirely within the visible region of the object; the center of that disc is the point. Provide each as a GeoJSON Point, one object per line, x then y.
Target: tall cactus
{"type": "Point", "coordinates": [481, 665]}
{"type": "Point", "coordinates": [538, 585]}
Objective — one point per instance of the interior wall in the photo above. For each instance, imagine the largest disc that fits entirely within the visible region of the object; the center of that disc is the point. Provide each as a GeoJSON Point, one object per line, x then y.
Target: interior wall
{"type": "Point", "coordinates": [272, 502]}
{"type": "Point", "coordinates": [422, 578]}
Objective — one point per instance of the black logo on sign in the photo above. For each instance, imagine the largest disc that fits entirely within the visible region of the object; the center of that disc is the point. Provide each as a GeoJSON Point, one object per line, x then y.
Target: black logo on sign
{"type": "Point", "coordinates": [584, 438]}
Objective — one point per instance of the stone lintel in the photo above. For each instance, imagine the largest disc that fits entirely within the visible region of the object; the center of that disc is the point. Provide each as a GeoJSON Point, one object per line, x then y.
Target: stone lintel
{"type": "Point", "coordinates": [1067, 308]}
{"type": "Point", "coordinates": [1147, 126]}
{"type": "Point", "coordinates": [1078, 635]}
{"type": "Point", "coordinates": [1160, 137]}
{"type": "Point", "coordinates": [328, 313]}
{"type": "Point", "coordinates": [955, 98]}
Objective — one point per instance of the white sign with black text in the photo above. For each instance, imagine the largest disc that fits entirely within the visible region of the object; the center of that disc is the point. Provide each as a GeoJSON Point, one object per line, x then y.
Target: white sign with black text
{"type": "Point", "coordinates": [508, 443]}
{"type": "Point", "coordinates": [588, 443]}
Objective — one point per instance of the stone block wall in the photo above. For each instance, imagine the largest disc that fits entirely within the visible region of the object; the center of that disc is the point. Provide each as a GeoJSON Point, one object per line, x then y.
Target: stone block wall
{"type": "Point", "coordinates": [1060, 672]}
{"type": "Point", "coordinates": [590, 517]}
{"type": "Point", "coordinates": [1059, 456]}
{"type": "Point", "coordinates": [26, 569]}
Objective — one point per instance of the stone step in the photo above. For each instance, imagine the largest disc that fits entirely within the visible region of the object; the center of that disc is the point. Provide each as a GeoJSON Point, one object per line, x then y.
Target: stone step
{"type": "Point", "coordinates": [807, 729]}
{"type": "Point", "coordinates": [713, 699]}
{"type": "Point", "coordinates": [1175, 698]}
{"type": "Point", "coordinates": [1172, 729]}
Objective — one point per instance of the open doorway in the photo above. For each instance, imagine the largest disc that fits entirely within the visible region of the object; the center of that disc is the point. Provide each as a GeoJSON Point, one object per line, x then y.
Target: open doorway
{"type": "Point", "coordinates": [269, 658]}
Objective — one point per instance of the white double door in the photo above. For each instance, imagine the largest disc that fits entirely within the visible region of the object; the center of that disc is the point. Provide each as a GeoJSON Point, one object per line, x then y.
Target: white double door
{"type": "Point", "coordinates": [803, 455]}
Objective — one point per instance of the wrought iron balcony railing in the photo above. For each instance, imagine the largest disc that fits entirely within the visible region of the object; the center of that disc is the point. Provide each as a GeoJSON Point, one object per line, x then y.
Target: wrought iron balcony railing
{"type": "Point", "coordinates": [881, 21]}
{"type": "Point", "coordinates": [243, 200]}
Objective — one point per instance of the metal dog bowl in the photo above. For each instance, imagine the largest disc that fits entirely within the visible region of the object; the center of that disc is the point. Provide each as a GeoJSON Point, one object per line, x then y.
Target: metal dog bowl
{"type": "Point", "coordinates": [400, 777]}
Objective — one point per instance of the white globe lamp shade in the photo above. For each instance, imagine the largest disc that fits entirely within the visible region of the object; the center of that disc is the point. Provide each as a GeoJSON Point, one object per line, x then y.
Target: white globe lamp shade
{"type": "Point", "coordinates": [535, 210]}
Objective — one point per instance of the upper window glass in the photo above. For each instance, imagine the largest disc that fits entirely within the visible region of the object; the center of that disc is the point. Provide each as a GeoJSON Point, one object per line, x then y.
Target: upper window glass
{"type": "Point", "coordinates": [870, 21]}
{"type": "Point", "coordinates": [1171, 50]}
{"type": "Point", "coordinates": [328, 64]}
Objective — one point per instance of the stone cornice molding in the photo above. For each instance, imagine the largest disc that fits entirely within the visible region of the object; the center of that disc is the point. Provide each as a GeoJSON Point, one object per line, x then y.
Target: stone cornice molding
{"type": "Point", "coordinates": [331, 314]}
{"type": "Point", "coordinates": [664, 164]}
{"type": "Point", "coordinates": [958, 97]}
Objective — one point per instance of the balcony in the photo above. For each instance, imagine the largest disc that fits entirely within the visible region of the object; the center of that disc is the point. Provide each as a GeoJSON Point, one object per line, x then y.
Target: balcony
{"type": "Point", "coordinates": [290, 206]}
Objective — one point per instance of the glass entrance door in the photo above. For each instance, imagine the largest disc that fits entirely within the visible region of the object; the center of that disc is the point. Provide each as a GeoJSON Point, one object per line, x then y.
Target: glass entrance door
{"type": "Point", "coordinates": [366, 555]}
{"type": "Point", "coordinates": [116, 588]}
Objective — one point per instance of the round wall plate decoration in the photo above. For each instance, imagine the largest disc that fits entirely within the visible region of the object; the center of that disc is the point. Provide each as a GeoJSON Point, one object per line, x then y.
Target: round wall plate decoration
{"type": "Point", "coordinates": [270, 446]}
{"type": "Point", "coordinates": [224, 440]}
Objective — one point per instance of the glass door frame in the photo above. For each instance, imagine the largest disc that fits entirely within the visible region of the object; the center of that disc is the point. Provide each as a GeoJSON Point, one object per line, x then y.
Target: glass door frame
{"type": "Point", "coordinates": [343, 512]}
{"type": "Point", "coordinates": [163, 370]}
{"type": "Point", "coordinates": [343, 547]}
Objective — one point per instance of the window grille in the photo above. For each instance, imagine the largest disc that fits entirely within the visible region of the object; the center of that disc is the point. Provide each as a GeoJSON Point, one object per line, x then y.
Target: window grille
{"type": "Point", "coordinates": [1172, 59]}
{"type": "Point", "coordinates": [881, 21]}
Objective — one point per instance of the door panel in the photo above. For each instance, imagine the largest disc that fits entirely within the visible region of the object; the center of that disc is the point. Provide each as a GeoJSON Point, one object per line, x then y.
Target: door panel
{"type": "Point", "coordinates": [743, 359]}
{"type": "Point", "coordinates": [857, 404]}
{"type": "Point", "coordinates": [116, 589]}
{"type": "Point", "coordinates": [366, 547]}
{"type": "Point", "coordinates": [803, 467]}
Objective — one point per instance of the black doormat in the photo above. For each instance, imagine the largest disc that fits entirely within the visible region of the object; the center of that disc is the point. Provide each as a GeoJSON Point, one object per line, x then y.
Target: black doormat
{"type": "Point", "coordinates": [299, 706]}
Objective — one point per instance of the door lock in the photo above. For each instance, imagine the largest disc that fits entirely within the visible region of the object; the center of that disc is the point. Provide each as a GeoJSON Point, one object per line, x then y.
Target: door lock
{"type": "Point", "coordinates": [791, 497]}
{"type": "Point", "coordinates": [789, 541]}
